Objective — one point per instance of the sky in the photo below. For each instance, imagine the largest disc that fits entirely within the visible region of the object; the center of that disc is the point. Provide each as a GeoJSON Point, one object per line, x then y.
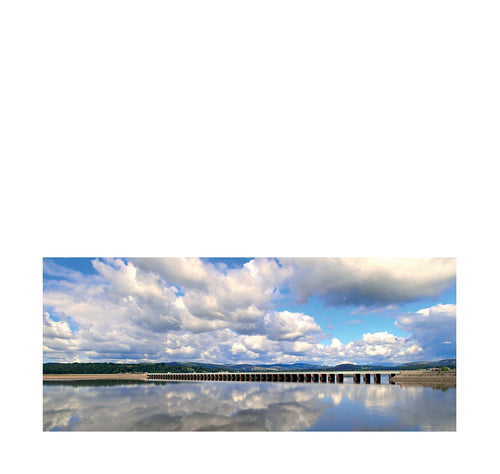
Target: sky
{"type": "Point", "coordinates": [249, 310]}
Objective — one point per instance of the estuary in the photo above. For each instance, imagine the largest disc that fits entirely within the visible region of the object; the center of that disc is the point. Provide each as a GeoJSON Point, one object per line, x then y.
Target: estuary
{"type": "Point", "coordinates": [245, 406]}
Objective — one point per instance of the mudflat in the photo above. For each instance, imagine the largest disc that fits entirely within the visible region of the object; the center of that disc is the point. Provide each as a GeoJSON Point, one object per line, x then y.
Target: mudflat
{"type": "Point", "coordinates": [426, 377]}
{"type": "Point", "coordinates": [68, 377]}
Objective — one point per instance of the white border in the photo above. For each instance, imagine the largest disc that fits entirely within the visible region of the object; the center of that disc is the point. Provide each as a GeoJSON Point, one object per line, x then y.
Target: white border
{"type": "Point", "coordinates": [264, 128]}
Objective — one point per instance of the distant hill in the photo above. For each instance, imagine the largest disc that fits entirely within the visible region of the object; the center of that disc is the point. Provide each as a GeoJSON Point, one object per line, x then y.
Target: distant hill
{"type": "Point", "coordinates": [162, 367]}
{"type": "Point", "coordinates": [428, 364]}
{"type": "Point", "coordinates": [450, 363]}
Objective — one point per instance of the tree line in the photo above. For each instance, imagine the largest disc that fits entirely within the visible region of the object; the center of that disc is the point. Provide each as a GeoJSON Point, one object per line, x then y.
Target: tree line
{"type": "Point", "coordinates": [116, 368]}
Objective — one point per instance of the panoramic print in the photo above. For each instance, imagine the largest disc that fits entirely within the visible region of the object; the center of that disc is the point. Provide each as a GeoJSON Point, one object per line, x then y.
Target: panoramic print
{"type": "Point", "coordinates": [249, 344]}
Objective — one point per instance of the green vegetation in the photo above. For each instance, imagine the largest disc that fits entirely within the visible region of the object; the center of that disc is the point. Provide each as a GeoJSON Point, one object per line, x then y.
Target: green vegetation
{"type": "Point", "coordinates": [94, 383]}
{"type": "Point", "coordinates": [53, 368]}
{"type": "Point", "coordinates": [111, 368]}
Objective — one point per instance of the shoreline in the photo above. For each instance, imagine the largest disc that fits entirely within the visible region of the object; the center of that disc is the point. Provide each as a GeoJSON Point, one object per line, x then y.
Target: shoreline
{"type": "Point", "coordinates": [73, 377]}
{"type": "Point", "coordinates": [414, 377]}
{"type": "Point", "coordinates": [426, 377]}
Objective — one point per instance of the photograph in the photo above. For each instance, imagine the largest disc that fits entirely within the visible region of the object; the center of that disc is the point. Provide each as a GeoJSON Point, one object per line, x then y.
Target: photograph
{"type": "Point", "coordinates": [249, 344]}
{"type": "Point", "coordinates": [249, 235]}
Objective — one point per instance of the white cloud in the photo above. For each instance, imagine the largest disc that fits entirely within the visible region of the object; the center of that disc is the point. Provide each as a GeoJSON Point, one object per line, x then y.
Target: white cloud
{"type": "Point", "coordinates": [57, 337]}
{"type": "Point", "coordinates": [381, 347]}
{"type": "Point", "coordinates": [284, 325]}
{"type": "Point", "coordinates": [379, 337]}
{"type": "Point", "coordinates": [55, 329]}
{"type": "Point", "coordinates": [185, 272]}
{"type": "Point", "coordinates": [238, 297]}
{"type": "Point", "coordinates": [431, 328]}
{"type": "Point", "coordinates": [188, 309]}
{"type": "Point", "coordinates": [370, 282]}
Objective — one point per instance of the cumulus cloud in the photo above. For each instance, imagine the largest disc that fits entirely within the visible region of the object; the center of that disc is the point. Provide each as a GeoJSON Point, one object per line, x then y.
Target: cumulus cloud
{"type": "Point", "coordinates": [57, 336]}
{"type": "Point", "coordinates": [370, 282]}
{"type": "Point", "coordinates": [237, 296]}
{"type": "Point", "coordinates": [130, 312]}
{"type": "Point", "coordinates": [287, 326]}
{"type": "Point", "coordinates": [189, 309]}
{"type": "Point", "coordinates": [433, 328]}
{"type": "Point", "coordinates": [382, 347]}
{"type": "Point", "coordinates": [55, 329]}
{"type": "Point", "coordinates": [186, 272]}
{"type": "Point", "coordinates": [372, 348]}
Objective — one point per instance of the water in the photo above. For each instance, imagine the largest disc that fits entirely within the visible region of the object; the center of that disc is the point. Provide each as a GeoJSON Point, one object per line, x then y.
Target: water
{"type": "Point", "coordinates": [245, 406]}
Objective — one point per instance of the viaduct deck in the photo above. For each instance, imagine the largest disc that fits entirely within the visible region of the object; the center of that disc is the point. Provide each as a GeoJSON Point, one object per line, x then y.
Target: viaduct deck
{"type": "Point", "coordinates": [306, 377]}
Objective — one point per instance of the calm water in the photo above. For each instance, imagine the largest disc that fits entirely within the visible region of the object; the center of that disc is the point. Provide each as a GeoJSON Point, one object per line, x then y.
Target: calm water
{"type": "Point", "coordinates": [245, 406]}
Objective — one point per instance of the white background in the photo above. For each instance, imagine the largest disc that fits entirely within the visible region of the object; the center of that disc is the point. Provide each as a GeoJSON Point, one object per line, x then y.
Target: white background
{"type": "Point", "coordinates": [258, 128]}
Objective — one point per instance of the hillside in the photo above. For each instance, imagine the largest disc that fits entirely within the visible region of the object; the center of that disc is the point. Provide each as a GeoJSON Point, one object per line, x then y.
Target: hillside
{"type": "Point", "coordinates": [176, 367]}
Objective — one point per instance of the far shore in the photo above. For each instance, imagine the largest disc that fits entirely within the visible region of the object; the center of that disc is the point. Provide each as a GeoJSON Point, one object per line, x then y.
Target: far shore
{"type": "Point", "coordinates": [410, 377]}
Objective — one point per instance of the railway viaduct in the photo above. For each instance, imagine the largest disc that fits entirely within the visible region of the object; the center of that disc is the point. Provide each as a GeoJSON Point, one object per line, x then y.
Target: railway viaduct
{"type": "Point", "coordinates": [304, 377]}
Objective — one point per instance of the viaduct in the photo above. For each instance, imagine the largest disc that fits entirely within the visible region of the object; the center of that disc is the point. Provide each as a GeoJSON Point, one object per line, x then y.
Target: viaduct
{"type": "Point", "coordinates": [305, 377]}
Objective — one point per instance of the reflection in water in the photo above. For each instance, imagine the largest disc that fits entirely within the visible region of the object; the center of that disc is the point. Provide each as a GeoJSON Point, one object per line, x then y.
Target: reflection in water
{"type": "Point", "coordinates": [244, 406]}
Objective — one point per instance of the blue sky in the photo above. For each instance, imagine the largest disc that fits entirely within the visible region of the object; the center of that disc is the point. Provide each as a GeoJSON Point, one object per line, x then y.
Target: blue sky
{"type": "Point", "coordinates": [249, 310]}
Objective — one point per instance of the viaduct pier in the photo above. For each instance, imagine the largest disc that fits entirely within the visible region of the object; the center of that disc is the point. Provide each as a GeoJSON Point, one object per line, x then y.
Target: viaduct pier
{"type": "Point", "coordinates": [299, 377]}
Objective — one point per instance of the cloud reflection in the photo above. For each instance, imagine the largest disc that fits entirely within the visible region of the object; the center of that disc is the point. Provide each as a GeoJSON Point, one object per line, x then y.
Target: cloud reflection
{"type": "Point", "coordinates": [243, 406]}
